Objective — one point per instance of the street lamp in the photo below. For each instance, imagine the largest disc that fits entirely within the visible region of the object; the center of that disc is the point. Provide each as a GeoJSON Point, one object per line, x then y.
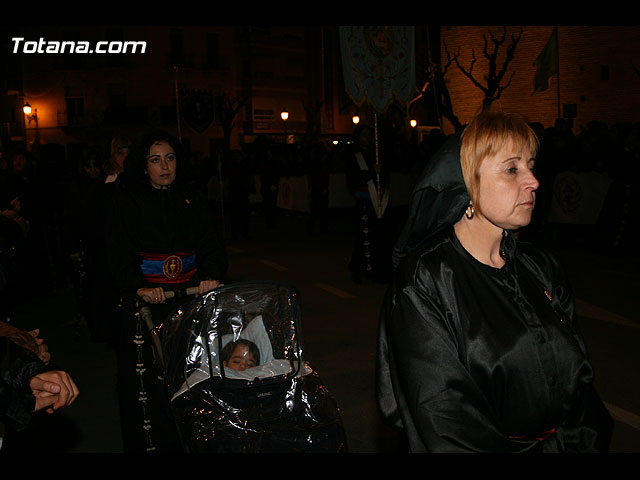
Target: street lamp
{"type": "Point", "coordinates": [30, 116]}
{"type": "Point", "coordinates": [26, 108]}
{"type": "Point", "coordinates": [355, 119]}
{"type": "Point", "coordinates": [284, 115]}
{"type": "Point", "coordinates": [413, 123]}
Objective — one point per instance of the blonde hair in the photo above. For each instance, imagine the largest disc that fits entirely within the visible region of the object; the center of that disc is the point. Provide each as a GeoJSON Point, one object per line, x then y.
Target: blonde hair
{"type": "Point", "coordinates": [117, 143]}
{"type": "Point", "coordinates": [487, 134]}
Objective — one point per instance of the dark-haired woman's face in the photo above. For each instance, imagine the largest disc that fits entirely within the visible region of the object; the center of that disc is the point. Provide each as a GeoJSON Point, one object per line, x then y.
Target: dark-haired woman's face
{"type": "Point", "coordinates": [365, 138]}
{"type": "Point", "coordinates": [92, 169]}
{"type": "Point", "coordinates": [161, 165]}
{"type": "Point", "coordinates": [19, 163]}
{"type": "Point", "coordinates": [119, 156]}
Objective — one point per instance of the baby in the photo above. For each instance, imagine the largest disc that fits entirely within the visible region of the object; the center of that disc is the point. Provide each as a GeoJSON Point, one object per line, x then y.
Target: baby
{"type": "Point", "coordinates": [240, 355]}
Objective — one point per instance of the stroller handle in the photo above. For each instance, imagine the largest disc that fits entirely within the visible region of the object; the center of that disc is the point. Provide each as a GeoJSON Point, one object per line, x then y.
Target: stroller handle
{"type": "Point", "coordinates": [188, 291]}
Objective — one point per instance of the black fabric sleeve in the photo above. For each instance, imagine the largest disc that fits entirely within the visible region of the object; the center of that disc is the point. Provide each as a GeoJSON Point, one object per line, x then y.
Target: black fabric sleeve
{"type": "Point", "coordinates": [16, 370]}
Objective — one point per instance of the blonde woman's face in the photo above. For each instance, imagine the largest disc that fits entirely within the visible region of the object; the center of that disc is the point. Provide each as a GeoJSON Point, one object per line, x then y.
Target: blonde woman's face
{"type": "Point", "coordinates": [507, 188]}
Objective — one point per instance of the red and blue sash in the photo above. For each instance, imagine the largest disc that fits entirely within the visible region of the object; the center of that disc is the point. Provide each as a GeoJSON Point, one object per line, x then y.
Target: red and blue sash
{"type": "Point", "coordinates": [168, 268]}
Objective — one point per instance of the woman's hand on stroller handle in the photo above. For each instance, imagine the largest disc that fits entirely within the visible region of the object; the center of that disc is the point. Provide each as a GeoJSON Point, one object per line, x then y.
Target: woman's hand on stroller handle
{"type": "Point", "coordinates": [152, 294]}
{"type": "Point", "coordinates": [159, 295]}
{"type": "Point", "coordinates": [206, 285]}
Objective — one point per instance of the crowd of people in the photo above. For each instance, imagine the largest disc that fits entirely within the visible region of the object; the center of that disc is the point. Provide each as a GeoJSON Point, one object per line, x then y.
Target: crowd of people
{"type": "Point", "coordinates": [29, 381]}
{"type": "Point", "coordinates": [111, 225]}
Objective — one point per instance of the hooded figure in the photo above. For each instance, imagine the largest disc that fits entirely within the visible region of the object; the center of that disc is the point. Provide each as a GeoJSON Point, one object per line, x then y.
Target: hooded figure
{"type": "Point", "coordinates": [474, 357]}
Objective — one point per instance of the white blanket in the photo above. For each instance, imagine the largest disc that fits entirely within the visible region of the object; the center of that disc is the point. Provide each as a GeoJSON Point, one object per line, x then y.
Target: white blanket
{"type": "Point", "coordinates": [269, 366]}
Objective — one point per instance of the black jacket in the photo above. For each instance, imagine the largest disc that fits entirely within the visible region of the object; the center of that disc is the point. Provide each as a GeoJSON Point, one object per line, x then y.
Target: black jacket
{"type": "Point", "coordinates": [17, 367]}
{"type": "Point", "coordinates": [146, 219]}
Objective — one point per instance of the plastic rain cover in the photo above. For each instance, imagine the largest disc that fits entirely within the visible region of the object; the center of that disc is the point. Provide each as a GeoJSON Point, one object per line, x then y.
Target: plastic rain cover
{"type": "Point", "coordinates": [279, 405]}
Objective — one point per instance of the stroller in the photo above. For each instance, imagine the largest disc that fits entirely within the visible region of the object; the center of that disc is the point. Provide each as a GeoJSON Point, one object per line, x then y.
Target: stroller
{"type": "Point", "coordinates": [279, 405]}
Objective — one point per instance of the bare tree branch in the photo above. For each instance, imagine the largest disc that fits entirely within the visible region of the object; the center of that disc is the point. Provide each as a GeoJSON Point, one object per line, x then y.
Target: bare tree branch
{"type": "Point", "coordinates": [227, 110]}
{"type": "Point", "coordinates": [494, 85]}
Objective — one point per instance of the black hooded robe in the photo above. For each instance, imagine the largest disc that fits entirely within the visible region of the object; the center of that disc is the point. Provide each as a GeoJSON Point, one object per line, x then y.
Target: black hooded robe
{"type": "Point", "coordinates": [473, 358]}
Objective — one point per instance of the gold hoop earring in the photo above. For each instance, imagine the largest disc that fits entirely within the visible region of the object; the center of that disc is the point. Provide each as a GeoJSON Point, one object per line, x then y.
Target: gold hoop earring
{"type": "Point", "coordinates": [470, 211]}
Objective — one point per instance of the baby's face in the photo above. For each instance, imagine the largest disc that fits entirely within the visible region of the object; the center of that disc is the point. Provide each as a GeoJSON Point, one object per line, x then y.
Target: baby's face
{"type": "Point", "coordinates": [241, 359]}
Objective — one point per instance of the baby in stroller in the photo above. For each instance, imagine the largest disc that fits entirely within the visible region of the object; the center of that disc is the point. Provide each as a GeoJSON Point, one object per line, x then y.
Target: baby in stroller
{"type": "Point", "coordinates": [240, 355]}
{"type": "Point", "coordinates": [235, 375]}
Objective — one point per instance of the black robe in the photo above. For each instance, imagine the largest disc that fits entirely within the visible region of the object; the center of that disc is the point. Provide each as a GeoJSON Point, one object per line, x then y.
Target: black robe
{"type": "Point", "coordinates": [17, 367]}
{"type": "Point", "coordinates": [473, 358]}
{"type": "Point", "coordinates": [143, 219]}
{"type": "Point", "coordinates": [150, 220]}
{"type": "Point", "coordinates": [479, 359]}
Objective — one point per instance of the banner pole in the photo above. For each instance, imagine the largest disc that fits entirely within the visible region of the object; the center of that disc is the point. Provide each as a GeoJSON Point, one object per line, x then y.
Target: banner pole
{"type": "Point", "coordinates": [377, 156]}
{"type": "Point", "coordinates": [558, 72]}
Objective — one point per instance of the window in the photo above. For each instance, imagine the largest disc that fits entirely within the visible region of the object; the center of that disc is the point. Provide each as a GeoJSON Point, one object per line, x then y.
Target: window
{"type": "Point", "coordinates": [263, 115]}
{"type": "Point", "coordinates": [75, 110]}
{"type": "Point", "coordinates": [213, 50]}
{"type": "Point", "coordinates": [176, 47]}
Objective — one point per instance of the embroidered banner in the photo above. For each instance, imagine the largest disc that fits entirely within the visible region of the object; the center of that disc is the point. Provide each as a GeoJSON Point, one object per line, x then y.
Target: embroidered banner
{"type": "Point", "coordinates": [578, 197]}
{"type": "Point", "coordinates": [378, 64]}
{"type": "Point", "coordinates": [197, 108]}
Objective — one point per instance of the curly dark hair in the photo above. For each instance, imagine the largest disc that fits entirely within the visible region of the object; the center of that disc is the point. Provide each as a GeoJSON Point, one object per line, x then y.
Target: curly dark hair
{"type": "Point", "coordinates": [136, 162]}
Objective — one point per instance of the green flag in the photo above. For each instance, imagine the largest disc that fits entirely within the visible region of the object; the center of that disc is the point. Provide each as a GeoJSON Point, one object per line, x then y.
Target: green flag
{"type": "Point", "coordinates": [547, 63]}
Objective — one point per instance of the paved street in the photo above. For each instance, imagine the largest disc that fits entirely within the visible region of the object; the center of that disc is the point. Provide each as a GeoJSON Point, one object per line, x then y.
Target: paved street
{"type": "Point", "coordinates": [339, 326]}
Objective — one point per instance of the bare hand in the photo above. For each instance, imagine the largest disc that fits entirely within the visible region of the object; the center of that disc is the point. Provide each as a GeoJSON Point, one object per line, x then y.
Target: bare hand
{"type": "Point", "coordinates": [206, 285]}
{"type": "Point", "coordinates": [152, 294]}
{"type": "Point", "coordinates": [41, 348]}
{"type": "Point", "coordinates": [26, 340]}
{"type": "Point", "coordinates": [15, 204]}
{"type": "Point", "coordinates": [53, 390]}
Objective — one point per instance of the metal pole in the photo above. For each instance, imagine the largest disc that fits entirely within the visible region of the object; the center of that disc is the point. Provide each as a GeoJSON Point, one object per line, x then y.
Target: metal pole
{"type": "Point", "coordinates": [558, 71]}
{"type": "Point", "coordinates": [175, 80]}
{"type": "Point", "coordinates": [377, 165]}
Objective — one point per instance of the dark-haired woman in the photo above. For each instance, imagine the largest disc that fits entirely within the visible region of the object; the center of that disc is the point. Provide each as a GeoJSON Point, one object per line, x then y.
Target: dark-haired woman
{"type": "Point", "coordinates": [161, 236]}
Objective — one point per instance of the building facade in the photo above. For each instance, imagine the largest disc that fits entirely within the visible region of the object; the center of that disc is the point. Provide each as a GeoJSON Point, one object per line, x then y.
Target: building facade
{"type": "Point", "coordinates": [184, 73]}
{"type": "Point", "coordinates": [598, 77]}
{"type": "Point", "coordinates": [174, 78]}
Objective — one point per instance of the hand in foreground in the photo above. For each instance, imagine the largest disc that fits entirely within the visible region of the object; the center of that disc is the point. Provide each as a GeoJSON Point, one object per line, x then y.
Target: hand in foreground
{"type": "Point", "coordinates": [26, 340]}
{"type": "Point", "coordinates": [53, 390]}
{"type": "Point", "coordinates": [206, 285]}
{"type": "Point", "coordinates": [41, 348]}
{"type": "Point", "coordinates": [152, 294]}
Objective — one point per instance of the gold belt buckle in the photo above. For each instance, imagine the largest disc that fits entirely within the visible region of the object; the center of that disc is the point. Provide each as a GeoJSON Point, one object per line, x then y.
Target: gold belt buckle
{"type": "Point", "coordinates": [172, 266]}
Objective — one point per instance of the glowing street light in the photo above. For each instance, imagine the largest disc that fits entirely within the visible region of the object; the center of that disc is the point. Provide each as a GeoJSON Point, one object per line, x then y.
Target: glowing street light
{"type": "Point", "coordinates": [284, 115]}
{"type": "Point", "coordinates": [32, 115]}
{"type": "Point", "coordinates": [27, 109]}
